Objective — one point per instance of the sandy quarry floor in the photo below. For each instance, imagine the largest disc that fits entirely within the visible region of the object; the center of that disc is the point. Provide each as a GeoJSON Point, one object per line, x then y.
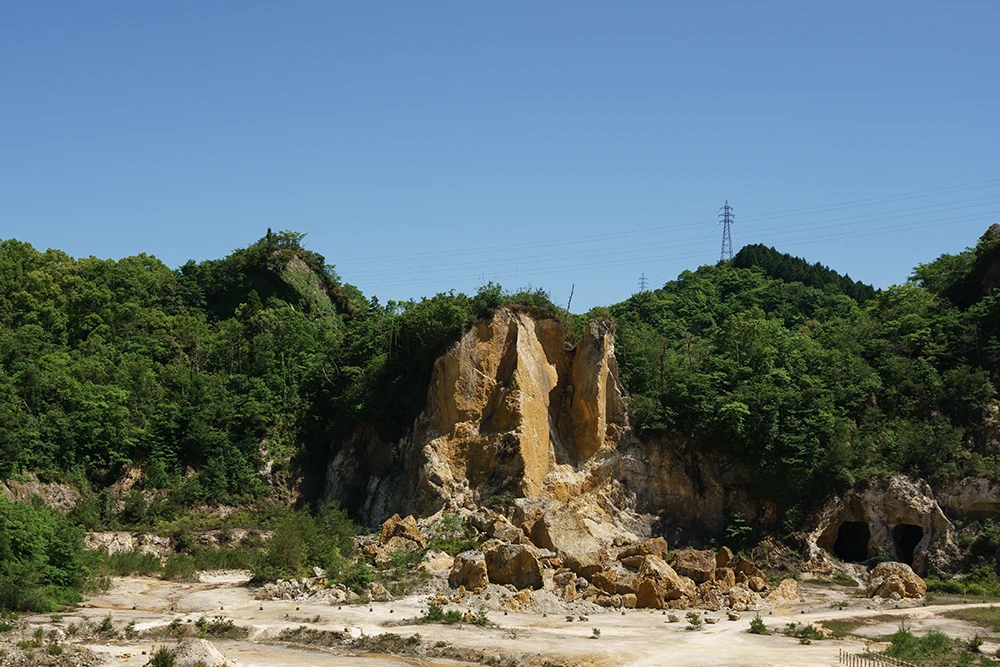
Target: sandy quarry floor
{"type": "Point", "coordinates": [638, 638]}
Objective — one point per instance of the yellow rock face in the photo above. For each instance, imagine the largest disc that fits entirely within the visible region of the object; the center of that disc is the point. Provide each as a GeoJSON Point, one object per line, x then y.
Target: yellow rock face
{"type": "Point", "coordinates": [510, 408]}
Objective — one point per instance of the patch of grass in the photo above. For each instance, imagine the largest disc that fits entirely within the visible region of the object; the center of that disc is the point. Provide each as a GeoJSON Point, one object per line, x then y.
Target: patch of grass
{"type": "Point", "coordinates": [106, 626]}
{"type": "Point", "coordinates": [221, 628]}
{"type": "Point", "coordinates": [805, 631]}
{"type": "Point", "coordinates": [403, 577]}
{"type": "Point", "coordinates": [932, 646]}
{"type": "Point", "coordinates": [224, 558]}
{"type": "Point", "coordinates": [501, 502]}
{"type": "Point", "coordinates": [453, 545]}
{"type": "Point", "coordinates": [842, 579]}
{"type": "Point", "coordinates": [385, 643]}
{"type": "Point", "coordinates": [437, 614]}
{"type": "Point", "coordinates": [984, 617]}
{"type": "Point", "coordinates": [162, 658]}
{"type": "Point", "coordinates": [180, 567]}
{"type": "Point", "coordinates": [981, 582]}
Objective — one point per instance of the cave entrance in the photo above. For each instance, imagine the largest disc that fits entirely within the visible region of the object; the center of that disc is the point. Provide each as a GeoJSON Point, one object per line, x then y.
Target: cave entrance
{"type": "Point", "coordinates": [852, 542]}
{"type": "Point", "coordinates": [906, 536]}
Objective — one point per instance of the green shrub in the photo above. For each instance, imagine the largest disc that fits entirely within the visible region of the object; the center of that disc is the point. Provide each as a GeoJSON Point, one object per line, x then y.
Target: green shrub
{"type": "Point", "coordinates": [106, 625]}
{"type": "Point", "coordinates": [180, 567]}
{"type": "Point", "coordinates": [908, 647]}
{"type": "Point", "coordinates": [40, 558]}
{"type": "Point", "coordinates": [453, 545]}
{"type": "Point", "coordinates": [757, 626]}
{"type": "Point", "coordinates": [805, 632]}
{"type": "Point", "coordinates": [162, 658]}
{"type": "Point", "coordinates": [305, 540]}
{"type": "Point", "coordinates": [357, 576]}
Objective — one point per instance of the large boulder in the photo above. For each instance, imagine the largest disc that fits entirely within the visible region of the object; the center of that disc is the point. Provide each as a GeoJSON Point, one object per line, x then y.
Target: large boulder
{"type": "Point", "coordinates": [648, 596]}
{"type": "Point", "coordinates": [742, 598]}
{"type": "Point", "coordinates": [387, 554]}
{"type": "Point", "coordinates": [698, 565]}
{"type": "Point", "coordinates": [502, 529]}
{"type": "Point", "coordinates": [669, 584]}
{"type": "Point", "coordinates": [563, 530]}
{"type": "Point", "coordinates": [470, 571]}
{"type": "Point", "coordinates": [436, 562]}
{"type": "Point", "coordinates": [888, 578]}
{"type": "Point", "coordinates": [514, 564]}
{"type": "Point", "coordinates": [724, 579]}
{"type": "Point", "coordinates": [654, 547]}
{"type": "Point", "coordinates": [403, 528]}
{"type": "Point", "coordinates": [786, 591]}
{"type": "Point", "coordinates": [606, 580]}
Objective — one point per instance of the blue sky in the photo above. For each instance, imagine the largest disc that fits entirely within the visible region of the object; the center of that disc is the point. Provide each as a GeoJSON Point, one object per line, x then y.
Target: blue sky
{"type": "Point", "coordinates": [432, 146]}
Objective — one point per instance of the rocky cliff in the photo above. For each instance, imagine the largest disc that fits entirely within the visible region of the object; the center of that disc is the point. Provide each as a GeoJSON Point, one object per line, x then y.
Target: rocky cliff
{"type": "Point", "coordinates": [512, 408]}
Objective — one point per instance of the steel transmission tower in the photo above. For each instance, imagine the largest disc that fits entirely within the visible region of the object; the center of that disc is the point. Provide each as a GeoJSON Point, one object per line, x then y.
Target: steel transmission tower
{"type": "Point", "coordinates": [727, 237]}
{"type": "Point", "coordinates": [643, 283]}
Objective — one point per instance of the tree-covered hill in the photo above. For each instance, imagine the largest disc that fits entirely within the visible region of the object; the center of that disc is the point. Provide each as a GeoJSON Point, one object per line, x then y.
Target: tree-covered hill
{"type": "Point", "coordinates": [208, 376]}
{"type": "Point", "coordinates": [795, 269]}
{"type": "Point", "coordinates": [793, 370]}
{"type": "Point", "coordinates": [233, 381]}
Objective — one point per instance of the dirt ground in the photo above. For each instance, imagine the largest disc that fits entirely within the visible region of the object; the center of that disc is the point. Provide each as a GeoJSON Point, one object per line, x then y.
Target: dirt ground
{"type": "Point", "coordinates": [637, 638]}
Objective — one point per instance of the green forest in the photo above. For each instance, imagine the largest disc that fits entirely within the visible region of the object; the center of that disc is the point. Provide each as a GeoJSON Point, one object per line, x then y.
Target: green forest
{"type": "Point", "coordinates": [229, 381]}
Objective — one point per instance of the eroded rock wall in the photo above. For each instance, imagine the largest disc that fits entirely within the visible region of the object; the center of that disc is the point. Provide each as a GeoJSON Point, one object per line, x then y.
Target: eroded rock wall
{"type": "Point", "coordinates": [885, 513]}
{"type": "Point", "coordinates": [511, 409]}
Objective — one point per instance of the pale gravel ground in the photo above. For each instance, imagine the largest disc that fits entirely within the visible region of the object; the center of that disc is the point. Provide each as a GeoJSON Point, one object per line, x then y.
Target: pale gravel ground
{"type": "Point", "coordinates": [639, 638]}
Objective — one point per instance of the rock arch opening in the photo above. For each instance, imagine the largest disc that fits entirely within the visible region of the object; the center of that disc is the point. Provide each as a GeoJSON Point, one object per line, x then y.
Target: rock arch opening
{"type": "Point", "coordinates": [852, 542]}
{"type": "Point", "coordinates": [906, 537]}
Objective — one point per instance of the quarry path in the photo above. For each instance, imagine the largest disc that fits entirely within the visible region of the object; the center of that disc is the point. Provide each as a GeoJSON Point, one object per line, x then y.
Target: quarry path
{"type": "Point", "coordinates": [637, 638]}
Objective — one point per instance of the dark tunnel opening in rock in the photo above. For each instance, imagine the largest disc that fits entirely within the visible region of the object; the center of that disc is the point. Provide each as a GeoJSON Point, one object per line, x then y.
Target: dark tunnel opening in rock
{"type": "Point", "coordinates": [906, 537]}
{"type": "Point", "coordinates": [852, 542]}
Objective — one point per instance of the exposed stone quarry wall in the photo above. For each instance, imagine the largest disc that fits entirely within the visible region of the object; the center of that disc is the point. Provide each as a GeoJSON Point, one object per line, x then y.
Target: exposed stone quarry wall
{"type": "Point", "coordinates": [509, 408]}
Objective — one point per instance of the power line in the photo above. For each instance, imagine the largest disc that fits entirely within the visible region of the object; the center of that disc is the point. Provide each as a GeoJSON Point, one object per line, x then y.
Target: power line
{"type": "Point", "coordinates": [727, 237]}
{"type": "Point", "coordinates": [656, 255]}
{"type": "Point", "coordinates": [673, 243]}
{"type": "Point", "coordinates": [581, 240]}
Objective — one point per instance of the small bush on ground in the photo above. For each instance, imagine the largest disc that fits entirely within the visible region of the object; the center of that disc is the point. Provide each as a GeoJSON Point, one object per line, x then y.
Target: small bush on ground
{"type": "Point", "coordinates": [757, 626]}
{"type": "Point", "coordinates": [162, 658]}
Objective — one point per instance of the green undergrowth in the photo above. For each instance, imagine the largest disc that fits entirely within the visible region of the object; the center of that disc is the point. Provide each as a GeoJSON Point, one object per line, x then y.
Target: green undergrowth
{"type": "Point", "coordinates": [936, 649]}
{"type": "Point", "coordinates": [981, 583]}
{"type": "Point", "coordinates": [436, 614]}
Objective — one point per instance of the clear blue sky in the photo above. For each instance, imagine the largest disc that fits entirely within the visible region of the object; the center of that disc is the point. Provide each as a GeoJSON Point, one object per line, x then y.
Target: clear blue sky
{"type": "Point", "coordinates": [428, 146]}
